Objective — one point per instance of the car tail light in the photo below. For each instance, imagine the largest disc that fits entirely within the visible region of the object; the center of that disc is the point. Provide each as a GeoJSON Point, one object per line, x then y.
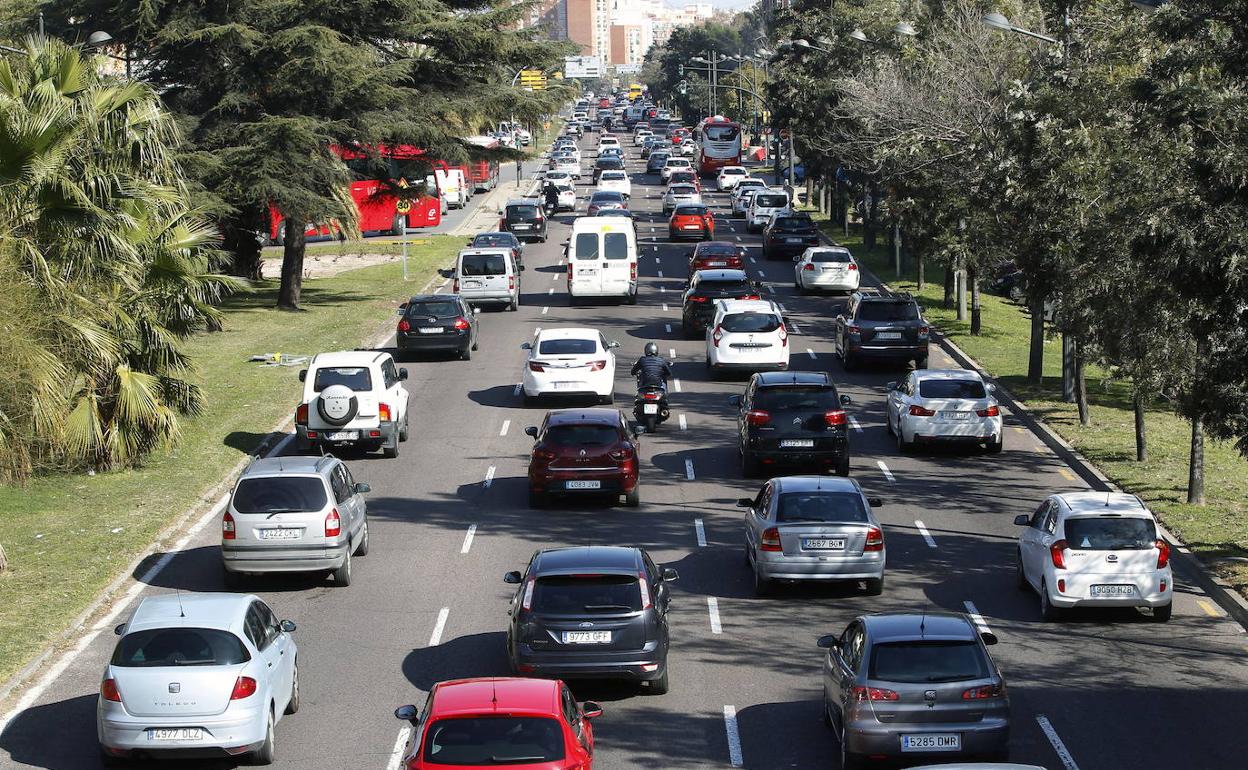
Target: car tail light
{"type": "Point", "coordinates": [301, 414]}
{"type": "Point", "coordinates": [697, 299]}
{"type": "Point", "coordinates": [455, 286]}
{"type": "Point", "coordinates": [770, 540]}
{"type": "Point", "coordinates": [511, 283]}
{"type": "Point", "coordinates": [333, 524]}
{"type": "Point", "coordinates": [537, 366]}
{"type": "Point", "coordinates": [784, 336]}
{"type": "Point", "coordinates": [644, 585]}
{"type": "Point", "coordinates": [650, 396]}
{"type": "Point", "coordinates": [1057, 552]}
{"type": "Point", "coordinates": [757, 417]}
{"type": "Point", "coordinates": [461, 323]}
{"type": "Point", "coordinates": [752, 296]}
{"type": "Point", "coordinates": [621, 454]}
{"type": "Point", "coordinates": [875, 540]}
{"type": "Point", "coordinates": [569, 270]}
{"type": "Point", "coordinates": [991, 411]}
{"type": "Point", "coordinates": [985, 691]}
{"type": "Point", "coordinates": [852, 266]}
{"type": "Point", "coordinates": [1163, 554]}
{"type": "Point", "coordinates": [109, 691]}
{"type": "Point", "coordinates": [718, 335]}
{"type": "Point", "coordinates": [923, 330]}
{"type": "Point", "coordinates": [835, 417]}
{"type": "Point", "coordinates": [244, 687]}
{"type": "Point", "coordinates": [851, 329]}
{"type": "Point", "coordinates": [632, 272]}
{"type": "Point", "coordinates": [919, 411]}
{"type": "Point", "coordinates": [227, 527]}
{"type": "Point", "coordinates": [383, 412]}
{"type": "Point", "coordinates": [526, 601]}
{"type": "Point", "coordinates": [809, 266]}
{"type": "Point", "coordinates": [404, 326]}
{"type": "Point", "coordinates": [862, 694]}
{"type": "Point", "coordinates": [597, 366]}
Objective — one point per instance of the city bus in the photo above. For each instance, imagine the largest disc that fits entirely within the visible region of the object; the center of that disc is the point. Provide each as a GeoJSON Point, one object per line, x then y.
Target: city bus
{"type": "Point", "coordinates": [721, 144]}
{"type": "Point", "coordinates": [377, 206]}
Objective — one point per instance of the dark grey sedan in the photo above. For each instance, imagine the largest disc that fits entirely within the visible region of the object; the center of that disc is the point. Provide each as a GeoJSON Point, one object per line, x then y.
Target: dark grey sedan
{"type": "Point", "coordinates": [913, 686]}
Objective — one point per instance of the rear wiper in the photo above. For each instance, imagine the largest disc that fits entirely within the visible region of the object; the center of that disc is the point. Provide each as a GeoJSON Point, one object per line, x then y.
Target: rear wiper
{"type": "Point", "coordinates": [608, 607]}
{"type": "Point", "coordinates": [276, 511]}
{"type": "Point", "coordinates": [937, 679]}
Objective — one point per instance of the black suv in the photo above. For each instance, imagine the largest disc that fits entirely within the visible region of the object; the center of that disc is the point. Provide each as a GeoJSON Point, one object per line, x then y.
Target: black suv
{"type": "Point", "coordinates": [792, 418]}
{"type": "Point", "coordinates": [707, 287]}
{"type": "Point", "coordinates": [789, 235]}
{"type": "Point", "coordinates": [524, 218]}
{"type": "Point", "coordinates": [437, 322]}
{"type": "Point", "coordinates": [591, 612]}
{"type": "Point", "coordinates": [886, 327]}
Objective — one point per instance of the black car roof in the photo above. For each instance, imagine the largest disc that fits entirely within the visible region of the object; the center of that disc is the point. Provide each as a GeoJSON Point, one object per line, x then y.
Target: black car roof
{"type": "Point", "coordinates": [914, 626]}
{"type": "Point", "coordinates": [767, 379]}
{"type": "Point", "coordinates": [433, 298]}
{"type": "Point", "coordinates": [588, 557]}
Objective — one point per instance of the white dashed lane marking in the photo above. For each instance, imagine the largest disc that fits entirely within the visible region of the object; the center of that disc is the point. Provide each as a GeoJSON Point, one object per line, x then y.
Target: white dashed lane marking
{"type": "Point", "coordinates": [853, 421]}
{"type": "Point", "coordinates": [884, 469]}
{"type": "Point", "coordinates": [1068, 762]}
{"type": "Point", "coordinates": [683, 424]}
{"type": "Point", "coordinates": [973, 611]}
{"type": "Point", "coordinates": [689, 470]}
{"type": "Point", "coordinates": [927, 536]}
{"type": "Point", "coordinates": [712, 607]}
{"type": "Point", "coordinates": [734, 737]}
{"type": "Point", "coordinates": [468, 537]}
{"type": "Point", "coordinates": [699, 530]}
{"type": "Point", "coordinates": [436, 637]}
{"type": "Point", "coordinates": [506, 425]}
{"type": "Point", "coordinates": [489, 477]}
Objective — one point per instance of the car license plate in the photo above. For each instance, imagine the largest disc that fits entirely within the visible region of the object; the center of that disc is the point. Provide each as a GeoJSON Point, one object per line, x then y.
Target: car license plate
{"type": "Point", "coordinates": [519, 227]}
{"type": "Point", "coordinates": [586, 637]}
{"type": "Point", "coordinates": [888, 335]}
{"type": "Point", "coordinates": [823, 544]}
{"type": "Point", "coordinates": [955, 415]}
{"type": "Point", "coordinates": [280, 534]}
{"type": "Point", "coordinates": [472, 283]}
{"type": "Point", "coordinates": [431, 330]}
{"type": "Point", "coordinates": [175, 733]}
{"type": "Point", "coordinates": [650, 408]}
{"type": "Point", "coordinates": [343, 435]}
{"type": "Point", "coordinates": [585, 484]}
{"type": "Point", "coordinates": [692, 227]}
{"type": "Point", "coordinates": [566, 385]}
{"type": "Point", "coordinates": [1113, 590]}
{"type": "Point", "coordinates": [716, 264]}
{"type": "Point", "coordinates": [932, 742]}
{"type": "Point", "coordinates": [797, 443]}
{"type": "Point", "coordinates": [792, 240]}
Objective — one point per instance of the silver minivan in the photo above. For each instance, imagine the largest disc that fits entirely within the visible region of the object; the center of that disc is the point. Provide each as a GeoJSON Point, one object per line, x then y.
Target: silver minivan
{"type": "Point", "coordinates": [294, 514]}
{"type": "Point", "coordinates": [765, 204]}
{"type": "Point", "coordinates": [488, 277]}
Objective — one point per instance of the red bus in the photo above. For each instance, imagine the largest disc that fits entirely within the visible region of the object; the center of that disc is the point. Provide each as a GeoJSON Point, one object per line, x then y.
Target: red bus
{"type": "Point", "coordinates": [721, 145]}
{"type": "Point", "coordinates": [377, 207]}
{"type": "Point", "coordinates": [482, 174]}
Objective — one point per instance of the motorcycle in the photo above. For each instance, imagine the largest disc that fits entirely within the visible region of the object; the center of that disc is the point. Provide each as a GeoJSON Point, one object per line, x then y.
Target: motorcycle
{"type": "Point", "coordinates": [650, 406]}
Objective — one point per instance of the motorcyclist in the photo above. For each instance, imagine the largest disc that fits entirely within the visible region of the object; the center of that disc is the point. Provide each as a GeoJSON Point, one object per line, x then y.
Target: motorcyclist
{"type": "Point", "coordinates": [551, 193]}
{"type": "Point", "coordinates": [650, 369]}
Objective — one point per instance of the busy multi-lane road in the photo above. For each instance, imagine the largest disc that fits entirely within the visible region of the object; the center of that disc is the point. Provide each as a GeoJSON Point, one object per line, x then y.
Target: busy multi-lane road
{"type": "Point", "coordinates": [449, 517]}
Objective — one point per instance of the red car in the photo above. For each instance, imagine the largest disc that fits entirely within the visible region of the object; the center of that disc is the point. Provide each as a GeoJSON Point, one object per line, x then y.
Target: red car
{"type": "Point", "coordinates": [716, 255]}
{"type": "Point", "coordinates": [491, 722]}
{"type": "Point", "coordinates": [685, 177]}
{"type": "Point", "coordinates": [584, 451]}
{"type": "Point", "coordinates": [691, 220]}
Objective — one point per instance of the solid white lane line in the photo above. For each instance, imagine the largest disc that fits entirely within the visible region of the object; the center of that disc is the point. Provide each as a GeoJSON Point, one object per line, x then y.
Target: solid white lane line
{"type": "Point", "coordinates": [436, 637]}
{"type": "Point", "coordinates": [668, 328]}
{"type": "Point", "coordinates": [676, 384]}
{"type": "Point", "coordinates": [503, 430]}
{"type": "Point", "coordinates": [853, 422]}
{"type": "Point", "coordinates": [810, 352]}
{"type": "Point", "coordinates": [683, 424]}
{"type": "Point", "coordinates": [396, 756]}
{"type": "Point", "coordinates": [927, 536]}
{"type": "Point", "coordinates": [545, 310]}
{"type": "Point", "coordinates": [689, 469]}
{"type": "Point", "coordinates": [712, 606]}
{"type": "Point", "coordinates": [1063, 753]}
{"type": "Point", "coordinates": [884, 469]}
{"type": "Point", "coordinates": [973, 611]}
{"type": "Point", "coordinates": [734, 738]}
{"type": "Point", "coordinates": [472, 532]}
{"type": "Point", "coordinates": [489, 477]}
{"type": "Point", "coordinates": [516, 390]}
{"type": "Point", "coordinates": [699, 529]}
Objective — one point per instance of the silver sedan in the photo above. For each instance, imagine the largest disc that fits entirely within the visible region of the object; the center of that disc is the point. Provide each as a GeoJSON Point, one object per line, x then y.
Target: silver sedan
{"type": "Point", "coordinates": [678, 195]}
{"type": "Point", "coordinates": [813, 528]}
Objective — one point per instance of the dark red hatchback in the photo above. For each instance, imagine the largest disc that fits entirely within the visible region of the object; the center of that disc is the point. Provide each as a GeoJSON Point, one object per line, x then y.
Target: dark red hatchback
{"type": "Point", "coordinates": [716, 255]}
{"type": "Point", "coordinates": [584, 452]}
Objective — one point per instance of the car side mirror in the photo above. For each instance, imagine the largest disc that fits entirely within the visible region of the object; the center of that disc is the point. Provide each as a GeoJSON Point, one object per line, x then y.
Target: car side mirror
{"type": "Point", "coordinates": [828, 641]}
{"type": "Point", "coordinates": [402, 308]}
{"type": "Point", "coordinates": [875, 502]}
{"type": "Point", "coordinates": [591, 710]}
{"type": "Point", "coordinates": [734, 400]}
{"type": "Point", "coordinates": [287, 626]}
{"type": "Point", "coordinates": [989, 637]}
{"type": "Point", "coordinates": [403, 373]}
{"type": "Point", "coordinates": [303, 375]}
{"type": "Point", "coordinates": [1022, 520]}
{"type": "Point", "coordinates": [407, 714]}
{"type": "Point", "coordinates": [745, 502]}
{"type": "Point", "coordinates": [526, 345]}
{"type": "Point", "coordinates": [846, 400]}
{"type": "Point", "coordinates": [513, 578]}
{"type": "Point", "coordinates": [670, 574]}
{"type": "Point", "coordinates": [531, 431]}
{"type": "Point", "coordinates": [119, 629]}
{"type": "Point", "coordinates": [362, 486]}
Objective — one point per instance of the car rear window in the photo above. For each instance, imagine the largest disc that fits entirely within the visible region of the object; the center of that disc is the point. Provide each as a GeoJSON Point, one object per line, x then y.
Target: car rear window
{"type": "Point", "coordinates": [888, 311]}
{"type": "Point", "coordinates": [1104, 533]}
{"type": "Point", "coordinates": [614, 176]}
{"type": "Point", "coordinates": [494, 239]}
{"type": "Point", "coordinates": [438, 309]}
{"type": "Point", "coordinates": [793, 223]}
{"type": "Point", "coordinates": [682, 189]}
{"type": "Point", "coordinates": [581, 435]}
{"type": "Point", "coordinates": [482, 264]}
{"type": "Point", "coordinates": [924, 661]}
{"type": "Point", "coordinates": [739, 288]}
{"type": "Point", "coordinates": [493, 741]}
{"type": "Point", "coordinates": [615, 246]}
{"type": "Point", "coordinates": [750, 322]}
{"type": "Point", "coordinates": [796, 397]}
{"type": "Point", "coordinates": [522, 212]}
{"type": "Point", "coordinates": [607, 196]}
{"type": "Point", "coordinates": [576, 595]}
{"type": "Point", "coordinates": [770, 201]}
{"type": "Point", "coordinates": [280, 494]}
{"type": "Point", "coordinates": [567, 347]}
{"type": "Point", "coordinates": [832, 507]}
{"type": "Point", "coordinates": [952, 389]}
{"type": "Point", "coordinates": [841, 257]}
{"type": "Point", "coordinates": [690, 211]}
{"type": "Point", "coordinates": [356, 378]}
{"type": "Point", "coordinates": [179, 647]}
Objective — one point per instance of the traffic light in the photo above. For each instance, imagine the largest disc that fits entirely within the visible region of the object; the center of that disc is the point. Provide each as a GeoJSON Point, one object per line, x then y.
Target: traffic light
{"type": "Point", "coordinates": [681, 70]}
{"type": "Point", "coordinates": [684, 87]}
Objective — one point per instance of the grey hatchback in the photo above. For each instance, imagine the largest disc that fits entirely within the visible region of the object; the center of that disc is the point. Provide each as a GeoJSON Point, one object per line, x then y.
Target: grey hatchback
{"type": "Point", "coordinates": [909, 685]}
{"type": "Point", "coordinates": [813, 528]}
{"type": "Point", "coordinates": [591, 612]}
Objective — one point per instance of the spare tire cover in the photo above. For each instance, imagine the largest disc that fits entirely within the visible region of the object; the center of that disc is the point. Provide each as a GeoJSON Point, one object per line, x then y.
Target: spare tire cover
{"type": "Point", "coordinates": [337, 405]}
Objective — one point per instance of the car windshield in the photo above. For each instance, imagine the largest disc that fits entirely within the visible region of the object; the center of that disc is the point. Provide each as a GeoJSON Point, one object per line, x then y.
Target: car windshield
{"type": "Point", "coordinates": [793, 224]}
{"type": "Point", "coordinates": [482, 264]}
{"type": "Point", "coordinates": [928, 661]}
{"type": "Point", "coordinates": [581, 435]}
{"type": "Point", "coordinates": [494, 239]}
{"type": "Point", "coordinates": [841, 257]}
{"type": "Point", "coordinates": [1104, 533]}
{"type": "Point", "coordinates": [433, 309]}
{"type": "Point", "coordinates": [522, 212]}
{"type": "Point", "coordinates": [770, 201]}
{"type": "Point", "coordinates": [578, 594]}
{"type": "Point", "coordinates": [155, 647]}
{"type": "Point", "coordinates": [279, 494]}
{"type": "Point", "coordinates": [690, 211]}
{"type": "Point", "coordinates": [812, 398]}
{"type": "Point", "coordinates": [356, 378]}
{"type": "Point", "coordinates": [567, 347]}
{"type": "Point", "coordinates": [952, 389]}
{"type": "Point", "coordinates": [750, 322]}
{"type": "Point", "coordinates": [832, 507]}
{"type": "Point", "coordinates": [493, 741]}
{"type": "Point", "coordinates": [888, 311]}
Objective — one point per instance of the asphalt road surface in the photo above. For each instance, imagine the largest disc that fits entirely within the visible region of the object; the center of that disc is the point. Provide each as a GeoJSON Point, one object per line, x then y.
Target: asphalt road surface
{"type": "Point", "coordinates": [1100, 691]}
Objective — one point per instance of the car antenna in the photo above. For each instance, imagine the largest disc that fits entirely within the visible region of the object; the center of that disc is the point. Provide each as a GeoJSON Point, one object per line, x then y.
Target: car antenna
{"type": "Point", "coordinates": [181, 612]}
{"type": "Point", "coordinates": [1107, 498]}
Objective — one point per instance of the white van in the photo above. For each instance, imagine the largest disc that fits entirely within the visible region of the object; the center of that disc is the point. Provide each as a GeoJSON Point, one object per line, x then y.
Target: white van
{"type": "Point", "coordinates": [488, 276]}
{"type": "Point", "coordinates": [602, 258]}
{"type": "Point", "coordinates": [764, 204]}
{"type": "Point", "coordinates": [454, 187]}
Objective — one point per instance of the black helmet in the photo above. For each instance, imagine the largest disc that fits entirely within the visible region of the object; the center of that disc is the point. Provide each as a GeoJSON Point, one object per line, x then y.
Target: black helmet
{"type": "Point", "coordinates": [652, 349]}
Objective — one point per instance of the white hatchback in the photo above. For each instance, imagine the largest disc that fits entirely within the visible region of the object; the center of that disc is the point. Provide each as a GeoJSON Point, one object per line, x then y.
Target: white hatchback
{"type": "Point", "coordinates": [559, 177]}
{"type": "Point", "coordinates": [747, 335]}
{"type": "Point", "coordinates": [572, 362]}
{"type": "Point", "coordinates": [674, 164]}
{"type": "Point", "coordinates": [615, 181]}
{"type": "Point", "coordinates": [569, 166]}
{"type": "Point", "coordinates": [1094, 549]}
{"type": "Point", "coordinates": [944, 406]}
{"type": "Point", "coordinates": [826, 269]}
{"type": "Point", "coordinates": [608, 140]}
{"type": "Point", "coordinates": [729, 176]}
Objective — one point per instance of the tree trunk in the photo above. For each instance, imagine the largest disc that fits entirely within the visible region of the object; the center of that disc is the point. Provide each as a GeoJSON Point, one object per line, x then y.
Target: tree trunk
{"type": "Point", "coordinates": [948, 286]}
{"type": "Point", "coordinates": [1081, 385]}
{"type": "Point", "coordinates": [289, 294]}
{"type": "Point", "coordinates": [1035, 358]}
{"type": "Point", "coordinates": [247, 261]}
{"type": "Point", "coordinates": [920, 278]}
{"type": "Point", "coordinates": [977, 316]}
{"type": "Point", "coordinates": [1141, 447]}
{"type": "Point", "coordinates": [1196, 465]}
{"type": "Point", "coordinates": [4, 560]}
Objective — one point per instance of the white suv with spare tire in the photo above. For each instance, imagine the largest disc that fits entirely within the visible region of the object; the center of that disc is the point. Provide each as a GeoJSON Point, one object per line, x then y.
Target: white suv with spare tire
{"type": "Point", "coordinates": [353, 398]}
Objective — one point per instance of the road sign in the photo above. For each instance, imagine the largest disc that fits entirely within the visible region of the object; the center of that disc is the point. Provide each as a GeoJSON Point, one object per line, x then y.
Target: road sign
{"type": "Point", "coordinates": [533, 79]}
{"type": "Point", "coordinates": [403, 206]}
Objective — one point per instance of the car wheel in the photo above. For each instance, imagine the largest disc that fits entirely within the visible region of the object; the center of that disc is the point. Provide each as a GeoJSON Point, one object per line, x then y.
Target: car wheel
{"type": "Point", "coordinates": [827, 714]}
{"type": "Point", "coordinates": [842, 466]}
{"type": "Point", "coordinates": [1047, 610]}
{"type": "Point", "coordinates": [875, 586]}
{"type": "Point", "coordinates": [1162, 614]}
{"type": "Point", "coordinates": [632, 299]}
{"type": "Point", "coordinates": [633, 499]}
{"type": "Point", "coordinates": [994, 447]}
{"type": "Point", "coordinates": [607, 400]}
{"type": "Point", "coordinates": [529, 400]}
{"type": "Point", "coordinates": [342, 575]}
{"type": "Point", "coordinates": [476, 343]}
{"type": "Point", "coordinates": [658, 686]}
{"type": "Point", "coordinates": [362, 548]}
{"type": "Point", "coordinates": [536, 499]}
{"type": "Point", "coordinates": [391, 450]}
{"type": "Point", "coordinates": [265, 754]}
{"type": "Point", "coordinates": [292, 706]}
{"type": "Point", "coordinates": [903, 446]}
{"type": "Point", "coordinates": [1020, 577]}
{"type": "Point", "coordinates": [762, 586]}
{"type": "Point", "coordinates": [404, 430]}
{"type": "Point", "coordinates": [466, 353]}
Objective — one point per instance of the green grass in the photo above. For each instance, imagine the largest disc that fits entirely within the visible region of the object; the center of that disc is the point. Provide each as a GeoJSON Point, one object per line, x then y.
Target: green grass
{"type": "Point", "coordinates": [58, 531]}
{"type": "Point", "coordinates": [1215, 532]}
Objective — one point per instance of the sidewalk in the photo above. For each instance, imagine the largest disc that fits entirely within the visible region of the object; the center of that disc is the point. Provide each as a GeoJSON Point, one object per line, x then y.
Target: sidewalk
{"type": "Point", "coordinates": [485, 217]}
